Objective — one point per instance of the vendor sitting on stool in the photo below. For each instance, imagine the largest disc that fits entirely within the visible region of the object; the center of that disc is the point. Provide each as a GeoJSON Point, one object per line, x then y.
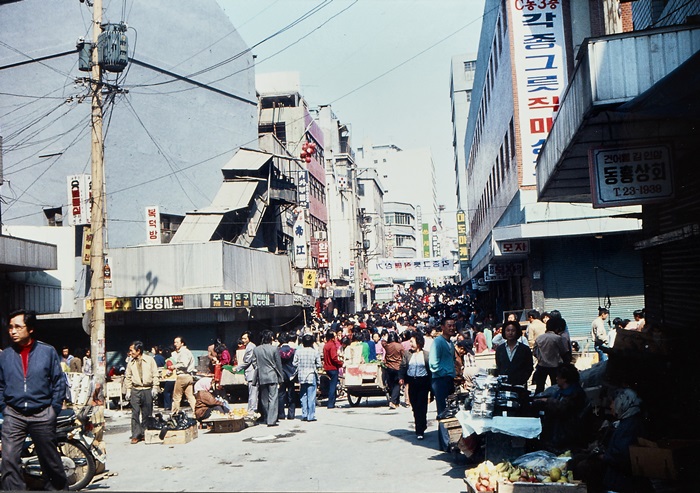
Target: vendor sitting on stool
{"type": "Point", "coordinates": [206, 402]}
{"type": "Point", "coordinates": [562, 425]}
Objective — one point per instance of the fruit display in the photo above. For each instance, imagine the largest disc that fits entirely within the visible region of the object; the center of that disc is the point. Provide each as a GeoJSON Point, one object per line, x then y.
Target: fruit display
{"type": "Point", "coordinates": [236, 413]}
{"type": "Point", "coordinates": [486, 475]}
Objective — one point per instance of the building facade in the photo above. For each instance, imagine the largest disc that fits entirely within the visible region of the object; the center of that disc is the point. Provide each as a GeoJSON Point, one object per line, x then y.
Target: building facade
{"type": "Point", "coordinates": [518, 244]}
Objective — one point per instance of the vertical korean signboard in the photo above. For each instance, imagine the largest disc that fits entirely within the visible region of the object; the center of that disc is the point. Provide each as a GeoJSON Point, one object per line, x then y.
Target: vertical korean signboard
{"type": "Point", "coordinates": [152, 225]}
{"type": "Point", "coordinates": [303, 189]}
{"type": "Point", "coordinates": [426, 240]}
{"type": "Point", "coordinates": [79, 194]}
{"type": "Point", "coordinates": [323, 254]}
{"type": "Point", "coordinates": [300, 239]}
{"type": "Point", "coordinates": [462, 240]}
{"type": "Point", "coordinates": [539, 54]}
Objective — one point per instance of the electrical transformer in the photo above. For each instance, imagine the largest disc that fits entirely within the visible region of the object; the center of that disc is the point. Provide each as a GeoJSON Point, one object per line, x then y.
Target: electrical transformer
{"type": "Point", "coordinates": [84, 55]}
{"type": "Point", "coordinates": [112, 46]}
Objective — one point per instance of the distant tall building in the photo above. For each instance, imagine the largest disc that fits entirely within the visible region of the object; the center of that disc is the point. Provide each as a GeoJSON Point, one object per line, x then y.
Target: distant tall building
{"type": "Point", "coordinates": [410, 195]}
{"type": "Point", "coordinates": [461, 84]}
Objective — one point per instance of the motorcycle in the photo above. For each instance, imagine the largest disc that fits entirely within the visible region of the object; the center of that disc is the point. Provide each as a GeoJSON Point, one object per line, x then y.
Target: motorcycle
{"type": "Point", "coordinates": [76, 446]}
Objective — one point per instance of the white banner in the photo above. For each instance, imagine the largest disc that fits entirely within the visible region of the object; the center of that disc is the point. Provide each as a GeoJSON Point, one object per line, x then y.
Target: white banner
{"type": "Point", "coordinates": [153, 225]}
{"type": "Point", "coordinates": [539, 53]}
{"type": "Point", "coordinates": [79, 206]}
{"type": "Point", "coordinates": [407, 268]}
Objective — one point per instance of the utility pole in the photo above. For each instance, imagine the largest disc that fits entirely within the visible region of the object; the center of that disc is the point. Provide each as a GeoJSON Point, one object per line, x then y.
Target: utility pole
{"type": "Point", "coordinates": [97, 216]}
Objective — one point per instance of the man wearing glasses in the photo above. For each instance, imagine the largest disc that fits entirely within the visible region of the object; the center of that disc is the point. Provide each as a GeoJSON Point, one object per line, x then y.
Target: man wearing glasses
{"type": "Point", "coordinates": [32, 388]}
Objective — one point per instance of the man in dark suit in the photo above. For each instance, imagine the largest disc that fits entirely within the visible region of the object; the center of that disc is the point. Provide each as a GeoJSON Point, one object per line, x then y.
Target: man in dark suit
{"type": "Point", "coordinates": [514, 358]}
{"type": "Point", "coordinates": [269, 363]}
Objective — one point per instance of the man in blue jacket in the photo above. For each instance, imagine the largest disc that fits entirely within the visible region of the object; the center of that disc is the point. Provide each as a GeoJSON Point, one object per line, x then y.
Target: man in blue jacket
{"type": "Point", "coordinates": [32, 388]}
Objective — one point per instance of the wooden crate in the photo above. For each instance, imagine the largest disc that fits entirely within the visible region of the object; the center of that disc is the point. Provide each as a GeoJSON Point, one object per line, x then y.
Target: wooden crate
{"type": "Point", "coordinates": [172, 437]}
{"type": "Point", "coordinates": [505, 487]}
{"type": "Point", "coordinates": [454, 429]}
{"type": "Point", "coordinates": [226, 425]}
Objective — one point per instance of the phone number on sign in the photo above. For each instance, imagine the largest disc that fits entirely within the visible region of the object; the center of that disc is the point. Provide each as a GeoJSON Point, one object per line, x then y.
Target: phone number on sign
{"type": "Point", "coordinates": [639, 190]}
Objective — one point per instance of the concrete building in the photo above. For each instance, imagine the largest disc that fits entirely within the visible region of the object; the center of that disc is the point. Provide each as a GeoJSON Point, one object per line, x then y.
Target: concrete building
{"type": "Point", "coordinates": [343, 244]}
{"type": "Point", "coordinates": [410, 197]}
{"type": "Point", "coordinates": [525, 253]}
{"type": "Point", "coordinates": [183, 121]}
{"type": "Point", "coordinates": [461, 84]}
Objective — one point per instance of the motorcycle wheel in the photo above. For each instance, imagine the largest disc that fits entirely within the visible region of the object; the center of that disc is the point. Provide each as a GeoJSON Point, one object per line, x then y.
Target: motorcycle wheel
{"type": "Point", "coordinates": [78, 463]}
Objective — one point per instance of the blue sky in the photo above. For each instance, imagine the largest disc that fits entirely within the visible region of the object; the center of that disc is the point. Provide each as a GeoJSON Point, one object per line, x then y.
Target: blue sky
{"type": "Point", "coordinates": [344, 49]}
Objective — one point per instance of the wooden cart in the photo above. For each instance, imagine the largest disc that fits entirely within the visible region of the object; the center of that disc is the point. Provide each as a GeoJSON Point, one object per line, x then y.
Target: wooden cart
{"type": "Point", "coordinates": [364, 380]}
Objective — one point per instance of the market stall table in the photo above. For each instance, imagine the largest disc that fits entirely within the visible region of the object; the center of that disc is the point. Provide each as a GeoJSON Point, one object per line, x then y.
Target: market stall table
{"type": "Point", "coordinates": [505, 435]}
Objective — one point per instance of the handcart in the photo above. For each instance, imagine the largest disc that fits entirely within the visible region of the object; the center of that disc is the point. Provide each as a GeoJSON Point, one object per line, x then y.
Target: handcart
{"type": "Point", "coordinates": [364, 380]}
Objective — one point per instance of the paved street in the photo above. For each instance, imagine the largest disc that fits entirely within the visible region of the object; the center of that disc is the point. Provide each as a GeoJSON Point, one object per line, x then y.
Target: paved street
{"type": "Point", "coordinates": [362, 449]}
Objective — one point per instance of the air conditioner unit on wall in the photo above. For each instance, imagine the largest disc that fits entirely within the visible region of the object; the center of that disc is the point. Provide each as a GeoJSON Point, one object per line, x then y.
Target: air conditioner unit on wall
{"type": "Point", "coordinates": [320, 235]}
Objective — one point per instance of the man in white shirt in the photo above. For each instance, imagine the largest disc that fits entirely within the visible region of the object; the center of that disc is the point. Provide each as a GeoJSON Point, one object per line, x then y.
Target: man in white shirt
{"type": "Point", "coordinates": [183, 364]}
{"type": "Point", "coordinates": [599, 334]}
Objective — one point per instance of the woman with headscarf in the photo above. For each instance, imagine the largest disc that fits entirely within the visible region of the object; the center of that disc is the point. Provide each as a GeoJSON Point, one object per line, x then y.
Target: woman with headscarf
{"type": "Point", "coordinates": [206, 402]}
{"type": "Point", "coordinates": [611, 468]}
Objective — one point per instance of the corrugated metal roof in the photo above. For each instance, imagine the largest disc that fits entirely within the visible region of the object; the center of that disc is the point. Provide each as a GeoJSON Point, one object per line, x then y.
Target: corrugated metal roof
{"type": "Point", "coordinates": [232, 195]}
{"type": "Point", "coordinates": [246, 159]}
{"type": "Point", "coordinates": [197, 228]}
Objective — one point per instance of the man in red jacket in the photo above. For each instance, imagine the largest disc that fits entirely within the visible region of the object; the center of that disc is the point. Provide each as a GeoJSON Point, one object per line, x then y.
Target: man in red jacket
{"type": "Point", "coordinates": [331, 365]}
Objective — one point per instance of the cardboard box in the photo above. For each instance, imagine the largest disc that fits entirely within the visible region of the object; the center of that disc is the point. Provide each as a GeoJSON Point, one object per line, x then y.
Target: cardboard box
{"type": "Point", "coordinates": [517, 487]}
{"type": "Point", "coordinates": [172, 437]}
{"type": "Point", "coordinates": [667, 459]}
{"type": "Point", "coordinates": [226, 425]}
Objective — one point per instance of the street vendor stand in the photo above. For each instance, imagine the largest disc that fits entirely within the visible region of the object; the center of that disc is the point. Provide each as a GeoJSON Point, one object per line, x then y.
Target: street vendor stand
{"type": "Point", "coordinates": [364, 380]}
{"type": "Point", "coordinates": [504, 435]}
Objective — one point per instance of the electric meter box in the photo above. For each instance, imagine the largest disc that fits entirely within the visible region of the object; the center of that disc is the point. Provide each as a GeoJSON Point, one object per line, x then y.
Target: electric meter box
{"type": "Point", "coordinates": [113, 46]}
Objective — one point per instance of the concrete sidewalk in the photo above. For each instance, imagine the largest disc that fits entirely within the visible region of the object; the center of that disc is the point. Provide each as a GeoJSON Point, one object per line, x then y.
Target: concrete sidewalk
{"type": "Point", "coordinates": [348, 449]}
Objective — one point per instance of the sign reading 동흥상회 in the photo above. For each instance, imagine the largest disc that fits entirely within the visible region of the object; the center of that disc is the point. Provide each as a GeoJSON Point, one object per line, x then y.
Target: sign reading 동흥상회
{"type": "Point", "coordinates": [539, 55]}
{"type": "Point", "coordinates": [632, 175]}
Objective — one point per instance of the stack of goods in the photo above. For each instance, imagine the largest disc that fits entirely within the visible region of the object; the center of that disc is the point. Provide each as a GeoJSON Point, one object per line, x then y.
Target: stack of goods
{"type": "Point", "coordinates": [483, 396]}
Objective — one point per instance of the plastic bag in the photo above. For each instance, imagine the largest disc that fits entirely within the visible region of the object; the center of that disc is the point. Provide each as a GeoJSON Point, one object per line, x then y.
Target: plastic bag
{"type": "Point", "coordinates": [541, 462]}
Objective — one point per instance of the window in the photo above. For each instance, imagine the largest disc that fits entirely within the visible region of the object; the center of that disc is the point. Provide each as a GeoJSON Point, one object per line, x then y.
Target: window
{"type": "Point", "coordinates": [469, 96]}
{"type": "Point", "coordinates": [403, 240]}
{"type": "Point", "coordinates": [402, 218]}
{"type": "Point", "coordinates": [361, 189]}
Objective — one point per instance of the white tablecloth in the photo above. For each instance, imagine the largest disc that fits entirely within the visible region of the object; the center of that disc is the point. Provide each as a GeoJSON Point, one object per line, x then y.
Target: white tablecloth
{"type": "Point", "coordinates": [508, 425]}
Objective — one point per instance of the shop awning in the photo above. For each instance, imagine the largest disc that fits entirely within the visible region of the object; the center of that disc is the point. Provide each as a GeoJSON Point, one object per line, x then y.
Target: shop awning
{"type": "Point", "coordinates": [615, 74]}
{"type": "Point", "coordinates": [246, 159]}
{"type": "Point", "coordinates": [197, 228]}
{"type": "Point", "coordinates": [19, 255]}
{"type": "Point", "coordinates": [232, 196]}
{"type": "Point", "coordinates": [575, 227]}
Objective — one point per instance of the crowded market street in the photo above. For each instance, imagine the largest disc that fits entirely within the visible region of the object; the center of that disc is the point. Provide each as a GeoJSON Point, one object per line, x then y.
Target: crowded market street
{"type": "Point", "coordinates": [359, 449]}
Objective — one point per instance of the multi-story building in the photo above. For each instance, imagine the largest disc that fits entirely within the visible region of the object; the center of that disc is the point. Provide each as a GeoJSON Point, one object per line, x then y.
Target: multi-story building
{"type": "Point", "coordinates": [285, 114]}
{"type": "Point", "coordinates": [461, 84]}
{"type": "Point", "coordinates": [343, 245]}
{"type": "Point", "coordinates": [410, 198]}
{"type": "Point", "coordinates": [523, 250]}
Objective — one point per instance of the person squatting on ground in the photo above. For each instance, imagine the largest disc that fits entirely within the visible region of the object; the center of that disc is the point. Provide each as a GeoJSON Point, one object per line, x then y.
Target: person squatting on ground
{"type": "Point", "coordinates": [141, 381]}
{"type": "Point", "coordinates": [32, 388]}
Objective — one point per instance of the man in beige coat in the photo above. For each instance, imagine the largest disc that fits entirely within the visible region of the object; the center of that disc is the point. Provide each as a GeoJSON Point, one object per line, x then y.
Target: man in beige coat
{"type": "Point", "coordinates": [141, 381]}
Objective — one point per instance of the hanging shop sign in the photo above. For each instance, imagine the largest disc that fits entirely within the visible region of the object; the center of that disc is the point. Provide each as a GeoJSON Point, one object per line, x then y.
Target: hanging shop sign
{"type": "Point", "coordinates": [513, 247]}
{"type": "Point", "coordinates": [79, 203]}
{"type": "Point", "coordinates": [309, 278]}
{"type": "Point", "coordinates": [303, 188]}
{"type": "Point", "coordinates": [300, 239]}
{"type": "Point", "coordinates": [462, 239]}
{"type": "Point", "coordinates": [151, 303]}
{"type": "Point", "coordinates": [501, 272]}
{"type": "Point", "coordinates": [323, 260]}
{"type": "Point", "coordinates": [426, 240]}
{"type": "Point", "coordinates": [631, 175]}
{"type": "Point", "coordinates": [539, 55]}
{"type": "Point", "coordinates": [87, 244]}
